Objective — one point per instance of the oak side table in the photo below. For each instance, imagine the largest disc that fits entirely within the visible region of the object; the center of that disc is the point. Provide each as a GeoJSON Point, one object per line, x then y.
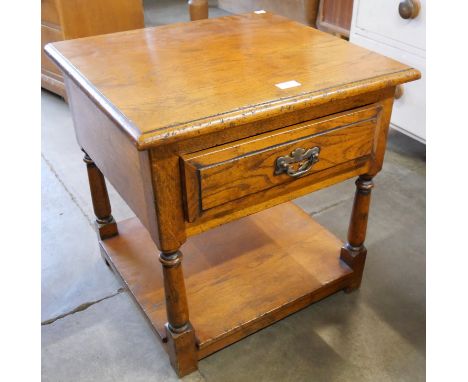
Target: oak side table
{"type": "Point", "coordinates": [207, 129]}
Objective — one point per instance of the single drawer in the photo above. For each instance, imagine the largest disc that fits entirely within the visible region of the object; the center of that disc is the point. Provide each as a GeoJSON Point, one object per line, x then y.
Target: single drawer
{"type": "Point", "coordinates": [49, 13]}
{"type": "Point", "coordinates": [225, 173]}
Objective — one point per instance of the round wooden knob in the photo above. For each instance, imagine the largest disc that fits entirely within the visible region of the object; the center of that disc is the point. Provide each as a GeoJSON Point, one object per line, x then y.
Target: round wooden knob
{"type": "Point", "coordinates": [409, 9]}
{"type": "Point", "coordinates": [398, 91]}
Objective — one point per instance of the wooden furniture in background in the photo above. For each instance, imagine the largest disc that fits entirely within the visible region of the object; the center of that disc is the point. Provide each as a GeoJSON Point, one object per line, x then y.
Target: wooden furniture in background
{"type": "Point", "coordinates": [207, 155]}
{"type": "Point", "coordinates": [198, 9]}
{"type": "Point", "coordinates": [304, 11]}
{"type": "Point", "coordinates": [334, 16]}
{"type": "Point", "coordinates": [397, 29]}
{"type": "Point", "coordinates": [68, 19]}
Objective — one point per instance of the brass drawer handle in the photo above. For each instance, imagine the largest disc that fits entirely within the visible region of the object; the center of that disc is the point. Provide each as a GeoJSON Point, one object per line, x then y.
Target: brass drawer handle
{"type": "Point", "coordinates": [298, 162]}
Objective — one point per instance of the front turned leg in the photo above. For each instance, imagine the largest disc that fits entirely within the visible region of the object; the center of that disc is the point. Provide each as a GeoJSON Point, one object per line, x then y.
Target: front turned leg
{"type": "Point", "coordinates": [180, 334]}
{"type": "Point", "coordinates": [105, 224]}
{"type": "Point", "coordinates": [198, 9]}
{"type": "Point", "coordinates": [354, 252]}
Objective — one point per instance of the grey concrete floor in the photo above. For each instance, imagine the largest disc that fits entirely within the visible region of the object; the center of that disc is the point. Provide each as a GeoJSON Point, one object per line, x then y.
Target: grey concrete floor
{"type": "Point", "coordinates": [92, 331]}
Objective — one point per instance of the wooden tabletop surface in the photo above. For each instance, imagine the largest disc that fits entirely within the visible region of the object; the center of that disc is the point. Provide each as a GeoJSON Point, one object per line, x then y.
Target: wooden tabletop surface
{"type": "Point", "coordinates": [181, 80]}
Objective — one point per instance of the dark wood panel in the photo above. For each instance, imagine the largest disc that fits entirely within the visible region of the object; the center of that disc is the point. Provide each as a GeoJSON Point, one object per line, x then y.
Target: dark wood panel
{"type": "Point", "coordinates": [334, 16]}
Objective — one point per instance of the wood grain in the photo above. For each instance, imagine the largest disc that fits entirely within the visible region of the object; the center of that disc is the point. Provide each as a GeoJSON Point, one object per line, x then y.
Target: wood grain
{"type": "Point", "coordinates": [380, 139]}
{"type": "Point", "coordinates": [354, 252]}
{"type": "Point", "coordinates": [190, 114]}
{"type": "Point", "coordinates": [82, 18]}
{"type": "Point", "coordinates": [232, 273]}
{"type": "Point", "coordinates": [334, 16]}
{"type": "Point", "coordinates": [261, 200]}
{"type": "Point", "coordinates": [179, 331]}
{"type": "Point", "coordinates": [239, 87]}
{"type": "Point", "coordinates": [105, 223]}
{"type": "Point", "coordinates": [231, 171]}
{"type": "Point", "coordinates": [127, 169]}
{"type": "Point", "coordinates": [167, 189]}
{"type": "Point", "coordinates": [288, 118]}
{"type": "Point", "coordinates": [269, 197]}
{"type": "Point", "coordinates": [49, 13]}
{"type": "Point", "coordinates": [70, 19]}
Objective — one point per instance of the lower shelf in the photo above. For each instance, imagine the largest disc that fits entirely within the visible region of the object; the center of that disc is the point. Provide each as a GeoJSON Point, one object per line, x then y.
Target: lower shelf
{"type": "Point", "coordinates": [239, 277]}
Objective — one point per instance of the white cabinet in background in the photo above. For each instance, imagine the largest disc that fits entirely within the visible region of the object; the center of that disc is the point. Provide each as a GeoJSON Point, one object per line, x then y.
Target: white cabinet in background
{"type": "Point", "coordinates": [377, 25]}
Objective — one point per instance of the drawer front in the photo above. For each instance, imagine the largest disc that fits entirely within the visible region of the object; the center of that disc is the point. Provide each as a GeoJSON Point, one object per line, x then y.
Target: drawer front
{"type": "Point", "coordinates": [49, 34]}
{"type": "Point", "coordinates": [380, 19]}
{"type": "Point", "coordinates": [409, 111]}
{"type": "Point", "coordinates": [49, 13]}
{"type": "Point", "coordinates": [229, 172]}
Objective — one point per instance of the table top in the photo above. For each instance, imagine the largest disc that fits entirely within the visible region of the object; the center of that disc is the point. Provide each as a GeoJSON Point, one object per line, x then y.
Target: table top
{"type": "Point", "coordinates": [182, 80]}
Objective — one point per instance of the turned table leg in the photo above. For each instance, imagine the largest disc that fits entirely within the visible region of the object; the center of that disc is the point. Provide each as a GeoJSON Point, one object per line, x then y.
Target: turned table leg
{"type": "Point", "coordinates": [354, 252]}
{"type": "Point", "coordinates": [180, 334]}
{"type": "Point", "coordinates": [198, 9]}
{"type": "Point", "coordinates": [105, 223]}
